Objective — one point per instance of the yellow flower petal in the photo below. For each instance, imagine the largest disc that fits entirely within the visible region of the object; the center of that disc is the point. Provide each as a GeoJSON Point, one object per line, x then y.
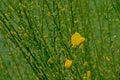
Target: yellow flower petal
{"type": "Point", "coordinates": [76, 39]}
{"type": "Point", "coordinates": [68, 63]}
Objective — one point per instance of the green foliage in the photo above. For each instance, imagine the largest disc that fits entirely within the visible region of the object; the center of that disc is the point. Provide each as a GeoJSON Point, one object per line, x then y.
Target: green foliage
{"type": "Point", "coordinates": [37, 37]}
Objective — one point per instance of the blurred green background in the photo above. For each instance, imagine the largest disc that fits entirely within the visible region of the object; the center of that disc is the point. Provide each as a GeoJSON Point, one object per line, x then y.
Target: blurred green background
{"type": "Point", "coordinates": [35, 39]}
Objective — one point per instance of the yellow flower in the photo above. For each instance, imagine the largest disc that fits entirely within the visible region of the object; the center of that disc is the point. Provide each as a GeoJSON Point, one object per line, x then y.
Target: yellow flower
{"type": "Point", "coordinates": [76, 39]}
{"type": "Point", "coordinates": [88, 75]}
{"type": "Point", "coordinates": [85, 63]}
{"type": "Point", "coordinates": [68, 63]}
